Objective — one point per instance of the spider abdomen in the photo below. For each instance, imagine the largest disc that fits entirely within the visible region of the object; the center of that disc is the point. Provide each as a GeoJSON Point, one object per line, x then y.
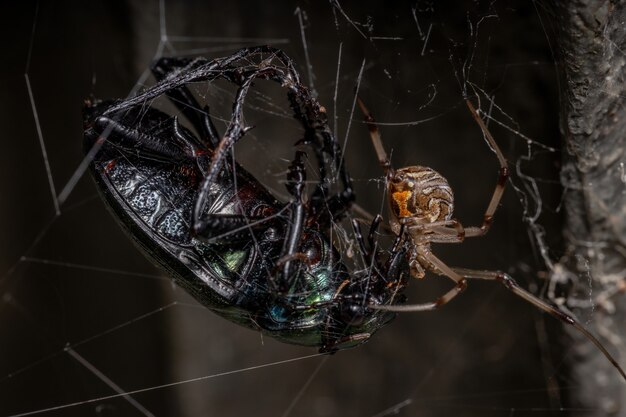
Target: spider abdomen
{"type": "Point", "coordinates": [421, 193]}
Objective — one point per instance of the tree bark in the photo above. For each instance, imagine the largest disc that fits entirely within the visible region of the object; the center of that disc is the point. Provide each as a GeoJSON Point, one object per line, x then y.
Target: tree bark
{"type": "Point", "coordinates": [591, 51]}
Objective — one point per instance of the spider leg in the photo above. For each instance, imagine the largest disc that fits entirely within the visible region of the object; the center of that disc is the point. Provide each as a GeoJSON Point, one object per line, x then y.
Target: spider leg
{"type": "Point", "coordinates": [447, 231]}
{"type": "Point", "coordinates": [514, 287]}
{"type": "Point", "coordinates": [503, 174]}
{"type": "Point", "coordinates": [383, 159]}
{"type": "Point", "coordinates": [439, 267]}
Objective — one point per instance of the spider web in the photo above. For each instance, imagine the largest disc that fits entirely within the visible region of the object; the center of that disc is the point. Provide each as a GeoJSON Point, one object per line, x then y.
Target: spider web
{"type": "Point", "coordinates": [88, 325]}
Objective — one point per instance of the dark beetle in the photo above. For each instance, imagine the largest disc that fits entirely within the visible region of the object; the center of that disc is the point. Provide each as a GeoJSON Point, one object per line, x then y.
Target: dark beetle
{"type": "Point", "coordinates": [220, 233]}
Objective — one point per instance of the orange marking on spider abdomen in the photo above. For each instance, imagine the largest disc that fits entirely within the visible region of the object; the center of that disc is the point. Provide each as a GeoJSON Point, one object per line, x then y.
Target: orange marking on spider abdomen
{"type": "Point", "coordinates": [401, 200]}
{"type": "Point", "coordinates": [421, 193]}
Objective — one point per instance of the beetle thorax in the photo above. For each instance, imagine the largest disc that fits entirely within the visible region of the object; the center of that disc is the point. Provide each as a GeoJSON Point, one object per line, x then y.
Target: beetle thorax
{"type": "Point", "coordinates": [420, 193]}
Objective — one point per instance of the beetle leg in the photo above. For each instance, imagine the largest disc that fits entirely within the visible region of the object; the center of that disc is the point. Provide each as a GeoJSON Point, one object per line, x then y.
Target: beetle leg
{"type": "Point", "coordinates": [296, 178]}
{"type": "Point", "coordinates": [147, 142]}
{"type": "Point", "coordinates": [185, 137]}
{"type": "Point", "coordinates": [369, 252]}
{"type": "Point", "coordinates": [356, 228]}
{"type": "Point", "coordinates": [209, 127]}
{"type": "Point", "coordinates": [325, 206]}
{"type": "Point", "coordinates": [165, 66]}
{"type": "Point", "coordinates": [185, 101]}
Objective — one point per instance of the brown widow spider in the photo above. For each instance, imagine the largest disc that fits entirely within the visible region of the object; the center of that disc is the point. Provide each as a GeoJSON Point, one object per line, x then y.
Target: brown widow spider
{"type": "Point", "coordinates": [422, 203]}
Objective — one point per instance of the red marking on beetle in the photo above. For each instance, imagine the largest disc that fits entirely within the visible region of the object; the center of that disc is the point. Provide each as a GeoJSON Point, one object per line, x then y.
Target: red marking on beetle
{"type": "Point", "coordinates": [246, 193]}
{"type": "Point", "coordinates": [109, 167]}
{"type": "Point", "coordinates": [267, 211]}
{"type": "Point", "coordinates": [200, 152]}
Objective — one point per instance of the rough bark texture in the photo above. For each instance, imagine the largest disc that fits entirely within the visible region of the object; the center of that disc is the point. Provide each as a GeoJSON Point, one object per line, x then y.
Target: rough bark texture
{"type": "Point", "coordinates": [592, 52]}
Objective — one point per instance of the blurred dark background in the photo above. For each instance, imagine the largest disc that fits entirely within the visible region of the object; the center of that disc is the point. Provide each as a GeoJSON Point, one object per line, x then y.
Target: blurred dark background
{"type": "Point", "coordinates": [79, 305]}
